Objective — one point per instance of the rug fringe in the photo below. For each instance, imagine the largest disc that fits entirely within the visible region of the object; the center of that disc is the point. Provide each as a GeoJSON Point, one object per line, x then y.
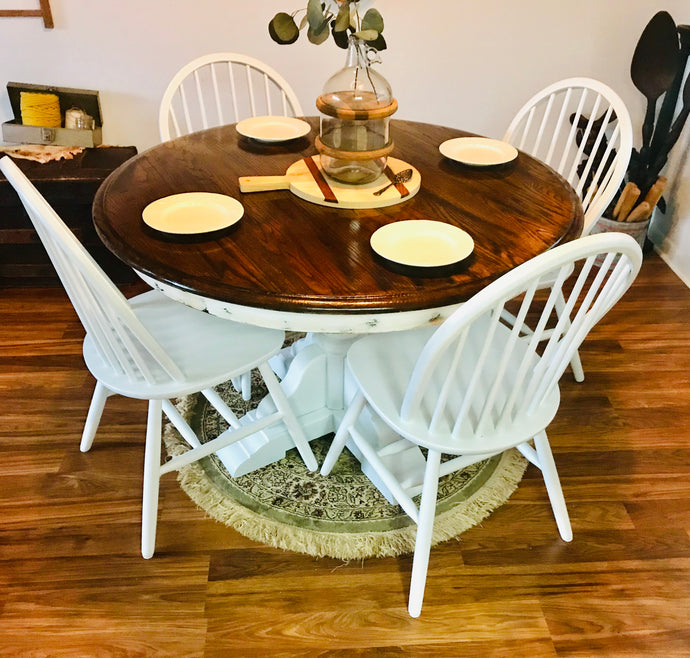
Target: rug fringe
{"type": "Point", "coordinates": [344, 546]}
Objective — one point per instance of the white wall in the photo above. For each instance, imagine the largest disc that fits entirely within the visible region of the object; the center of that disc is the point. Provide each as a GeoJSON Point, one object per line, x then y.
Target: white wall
{"type": "Point", "coordinates": [463, 63]}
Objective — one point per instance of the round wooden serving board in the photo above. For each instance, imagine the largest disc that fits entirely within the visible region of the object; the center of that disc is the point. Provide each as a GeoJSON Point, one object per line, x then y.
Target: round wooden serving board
{"type": "Point", "coordinates": [305, 185]}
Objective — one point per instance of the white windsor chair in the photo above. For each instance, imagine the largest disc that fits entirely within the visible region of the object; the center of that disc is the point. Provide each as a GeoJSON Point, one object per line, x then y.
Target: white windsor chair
{"type": "Point", "coordinates": [581, 128]}
{"type": "Point", "coordinates": [152, 348]}
{"type": "Point", "coordinates": [475, 387]}
{"type": "Point", "coordinates": [221, 88]}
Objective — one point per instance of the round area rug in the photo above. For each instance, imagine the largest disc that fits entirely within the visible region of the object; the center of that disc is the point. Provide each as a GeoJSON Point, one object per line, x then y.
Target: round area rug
{"type": "Point", "coordinates": [341, 516]}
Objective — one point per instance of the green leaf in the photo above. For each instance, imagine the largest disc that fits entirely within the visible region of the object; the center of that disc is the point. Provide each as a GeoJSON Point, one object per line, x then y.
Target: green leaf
{"type": "Point", "coordinates": [372, 21]}
{"type": "Point", "coordinates": [318, 35]}
{"type": "Point", "coordinates": [342, 21]}
{"type": "Point", "coordinates": [341, 38]}
{"type": "Point", "coordinates": [378, 44]}
{"type": "Point", "coordinates": [367, 35]}
{"type": "Point", "coordinates": [283, 29]}
{"type": "Point", "coordinates": [315, 16]}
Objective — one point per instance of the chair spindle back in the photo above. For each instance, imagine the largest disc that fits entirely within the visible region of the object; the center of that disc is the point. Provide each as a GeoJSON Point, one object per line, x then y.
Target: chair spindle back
{"type": "Point", "coordinates": [498, 393]}
{"type": "Point", "coordinates": [122, 340]}
{"type": "Point", "coordinates": [223, 88]}
{"type": "Point", "coordinates": [582, 129]}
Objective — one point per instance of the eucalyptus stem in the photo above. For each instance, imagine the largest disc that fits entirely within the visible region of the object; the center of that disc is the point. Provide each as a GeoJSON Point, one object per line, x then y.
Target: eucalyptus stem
{"type": "Point", "coordinates": [323, 22]}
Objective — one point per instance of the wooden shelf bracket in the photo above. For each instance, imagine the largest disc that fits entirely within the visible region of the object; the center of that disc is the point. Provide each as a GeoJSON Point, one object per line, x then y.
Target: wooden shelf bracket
{"type": "Point", "coordinates": [44, 13]}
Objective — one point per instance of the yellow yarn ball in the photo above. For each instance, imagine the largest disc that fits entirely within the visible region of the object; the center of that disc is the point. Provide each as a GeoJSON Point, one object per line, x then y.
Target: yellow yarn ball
{"type": "Point", "coordinates": [38, 109]}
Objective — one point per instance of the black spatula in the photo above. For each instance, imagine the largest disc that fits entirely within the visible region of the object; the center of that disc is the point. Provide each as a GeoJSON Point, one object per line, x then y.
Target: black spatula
{"type": "Point", "coordinates": [671, 137]}
{"type": "Point", "coordinates": [668, 107]}
{"type": "Point", "coordinates": [654, 65]}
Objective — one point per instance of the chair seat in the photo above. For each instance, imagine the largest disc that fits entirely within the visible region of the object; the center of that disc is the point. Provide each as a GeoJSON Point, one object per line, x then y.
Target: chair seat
{"type": "Point", "coordinates": [382, 366]}
{"type": "Point", "coordinates": [228, 348]}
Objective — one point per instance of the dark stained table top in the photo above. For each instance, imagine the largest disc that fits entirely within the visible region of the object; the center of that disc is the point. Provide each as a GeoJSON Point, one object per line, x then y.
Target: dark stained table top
{"type": "Point", "coordinates": [287, 254]}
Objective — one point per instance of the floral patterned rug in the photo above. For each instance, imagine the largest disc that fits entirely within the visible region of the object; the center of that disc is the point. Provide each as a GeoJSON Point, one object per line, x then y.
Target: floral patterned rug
{"type": "Point", "coordinates": [343, 515]}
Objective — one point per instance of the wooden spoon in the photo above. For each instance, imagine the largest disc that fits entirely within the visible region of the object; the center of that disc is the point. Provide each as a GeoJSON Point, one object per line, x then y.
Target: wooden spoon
{"type": "Point", "coordinates": [654, 65]}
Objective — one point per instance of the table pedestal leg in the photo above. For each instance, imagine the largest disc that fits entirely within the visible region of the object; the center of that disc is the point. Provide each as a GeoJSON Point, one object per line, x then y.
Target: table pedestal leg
{"type": "Point", "coordinates": [314, 384]}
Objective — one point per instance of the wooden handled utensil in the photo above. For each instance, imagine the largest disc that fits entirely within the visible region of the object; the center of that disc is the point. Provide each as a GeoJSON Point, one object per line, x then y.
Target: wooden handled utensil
{"type": "Point", "coordinates": [640, 213]}
{"type": "Point", "coordinates": [643, 211]}
{"type": "Point", "coordinates": [655, 192]}
{"type": "Point", "coordinates": [621, 199]}
{"type": "Point", "coordinates": [628, 198]}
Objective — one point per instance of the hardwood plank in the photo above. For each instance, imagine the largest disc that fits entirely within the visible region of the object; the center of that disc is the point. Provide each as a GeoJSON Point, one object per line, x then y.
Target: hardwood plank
{"type": "Point", "coordinates": [620, 463]}
{"type": "Point", "coordinates": [535, 518]}
{"type": "Point", "coordinates": [660, 513]}
{"type": "Point", "coordinates": [72, 581]}
{"type": "Point", "coordinates": [595, 488]}
{"type": "Point", "coordinates": [357, 627]}
{"type": "Point", "coordinates": [542, 648]}
{"type": "Point", "coordinates": [665, 643]}
{"type": "Point", "coordinates": [591, 546]}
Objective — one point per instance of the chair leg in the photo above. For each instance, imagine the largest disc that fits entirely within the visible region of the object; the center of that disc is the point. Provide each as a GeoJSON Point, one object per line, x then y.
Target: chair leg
{"type": "Point", "coordinates": [283, 406]}
{"type": "Point", "coordinates": [343, 433]}
{"type": "Point", "coordinates": [93, 418]}
{"type": "Point", "coordinates": [425, 529]}
{"type": "Point", "coordinates": [576, 365]}
{"type": "Point", "coordinates": [152, 474]}
{"type": "Point", "coordinates": [553, 486]}
{"type": "Point", "coordinates": [243, 385]}
{"type": "Point", "coordinates": [246, 386]}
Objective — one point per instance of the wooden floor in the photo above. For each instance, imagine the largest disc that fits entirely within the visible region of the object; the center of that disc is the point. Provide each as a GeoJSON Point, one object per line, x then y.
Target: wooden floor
{"type": "Point", "coordinates": [72, 582]}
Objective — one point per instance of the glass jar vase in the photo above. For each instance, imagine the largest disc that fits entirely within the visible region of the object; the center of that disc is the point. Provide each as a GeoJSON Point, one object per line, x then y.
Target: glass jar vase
{"type": "Point", "coordinates": [355, 107]}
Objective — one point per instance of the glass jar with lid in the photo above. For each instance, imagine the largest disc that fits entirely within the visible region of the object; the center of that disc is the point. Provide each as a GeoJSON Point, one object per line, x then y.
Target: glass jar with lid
{"type": "Point", "coordinates": [356, 105]}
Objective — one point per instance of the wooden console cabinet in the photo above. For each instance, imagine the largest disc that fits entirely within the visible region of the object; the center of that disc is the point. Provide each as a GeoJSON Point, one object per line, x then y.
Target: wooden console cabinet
{"type": "Point", "coordinates": [69, 186]}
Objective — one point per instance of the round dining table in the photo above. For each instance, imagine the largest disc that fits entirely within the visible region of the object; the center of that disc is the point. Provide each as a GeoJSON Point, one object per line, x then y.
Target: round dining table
{"type": "Point", "coordinates": [305, 266]}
